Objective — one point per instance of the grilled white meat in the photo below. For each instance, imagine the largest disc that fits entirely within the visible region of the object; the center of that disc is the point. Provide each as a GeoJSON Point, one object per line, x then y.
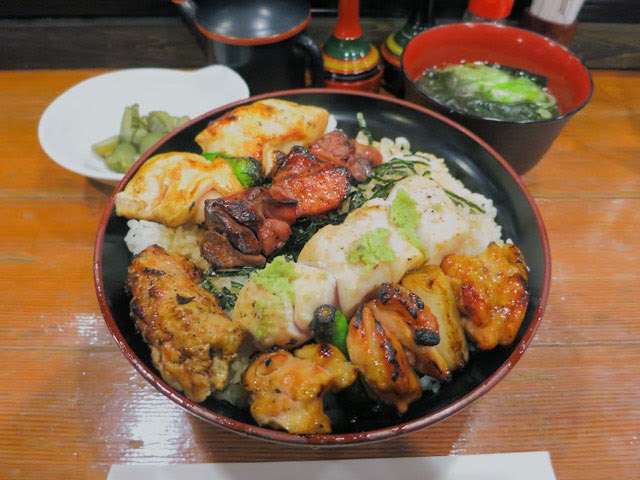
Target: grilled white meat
{"type": "Point", "coordinates": [263, 128]}
{"type": "Point", "coordinates": [276, 305]}
{"type": "Point", "coordinates": [441, 229]}
{"type": "Point", "coordinates": [334, 249]}
{"type": "Point", "coordinates": [171, 188]}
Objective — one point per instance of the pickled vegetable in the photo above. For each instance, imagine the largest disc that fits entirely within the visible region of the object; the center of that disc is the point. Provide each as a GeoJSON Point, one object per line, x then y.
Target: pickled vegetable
{"type": "Point", "coordinates": [122, 157]}
{"type": "Point", "coordinates": [106, 146]}
{"type": "Point", "coordinates": [137, 134]}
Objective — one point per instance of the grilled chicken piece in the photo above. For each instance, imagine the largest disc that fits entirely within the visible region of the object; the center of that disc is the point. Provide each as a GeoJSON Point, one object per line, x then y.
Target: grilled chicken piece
{"type": "Point", "coordinates": [317, 186]}
{"type": "Point", "coordinates": [277, 304]}
{"type": "Point", "coordinates": [336, 147]}
{"type": "Point", "coordinates": [452, 353]}
{"type": "Point", "coordinates": [414, 320]}
{"type": "Point", "coordinates": [329, 250]}
{"type": "Point", "coordinates": [254, 222]}
{"type": "Point", "coordinates": [220, 253]}
{"type": "Point", "coordinates": [286, 392]}
{"type": "Point", "coordinates": [330, 358]}
{"type": "Point", "coordinates": [491, 292]}
{"type": "Point", "coordinates": [171, 188]}
{"type": "Point", "coordinates": [442, 229]}
{"type": "Point", "coordinates": [405, 316]}
{"type": "Point", "coordinates": [263, 128]}
{"type": "Point", "coordinates": [381, 361]}
{"type": "Point", "coordinates": [192, 341]}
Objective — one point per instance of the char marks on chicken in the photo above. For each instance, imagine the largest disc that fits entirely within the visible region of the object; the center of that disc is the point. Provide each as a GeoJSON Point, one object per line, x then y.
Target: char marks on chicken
{"type": "Point", "coordinates": [318, 186]}
{"type": "Point", "coordinates": [192, 341]}
{"type": "Point", "coordinates": [246, 227]}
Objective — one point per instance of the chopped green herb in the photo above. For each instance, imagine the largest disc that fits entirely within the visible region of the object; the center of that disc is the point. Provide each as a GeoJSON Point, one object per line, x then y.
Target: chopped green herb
{"type": "Point", "coordinates": [461, 201]}
{"type": "Point", "coordinates": [363, 127]}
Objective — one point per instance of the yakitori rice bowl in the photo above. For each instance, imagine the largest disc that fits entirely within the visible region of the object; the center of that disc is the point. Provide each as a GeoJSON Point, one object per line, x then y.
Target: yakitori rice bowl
{"type": "Point", "coordinates": [485, 190]}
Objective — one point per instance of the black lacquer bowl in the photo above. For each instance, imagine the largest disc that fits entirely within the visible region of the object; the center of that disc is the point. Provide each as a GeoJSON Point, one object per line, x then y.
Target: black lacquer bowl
{"type": "Point", "coordinates": [468, 158]}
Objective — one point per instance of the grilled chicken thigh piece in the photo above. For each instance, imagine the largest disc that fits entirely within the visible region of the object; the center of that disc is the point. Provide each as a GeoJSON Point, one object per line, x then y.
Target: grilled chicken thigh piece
{"type": "Point", "coordinates": [170, 188]}
{"type": "Point", "coordinates": [286, 392]}
{"type": "Point", "coordinates": [405, 316]}
{"type": "Point", "coordinates": [262, 128]}
{"type": "Point", "coordinates": [491, 292]}
{"type": "Point", "coordinates": [192, 341]}
{"type": "Point", "coordinates": [330, 358]}
{"type": "Point", "coordinates": [434, 288]}
{"type": "Point", "coordinates": [381, 361]}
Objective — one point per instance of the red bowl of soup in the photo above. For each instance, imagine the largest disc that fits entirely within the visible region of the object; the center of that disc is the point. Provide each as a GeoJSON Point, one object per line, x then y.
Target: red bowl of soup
{"type": "Point", "coordinates": [522, 143]}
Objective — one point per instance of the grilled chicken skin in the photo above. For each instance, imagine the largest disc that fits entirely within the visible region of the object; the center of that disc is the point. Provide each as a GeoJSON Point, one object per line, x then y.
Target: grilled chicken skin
{"type": "Point", "coordinates": [286, 392]}
{"type": "Point", "coordinates": [491, 292]}
{"type": "Point", "coordinates": [329, 357]}
{"type": "Point", "coordinates": [452, 353]}
{"type": "Point", "coordinates": [171, 188]}
{"type": "Point", "coordinates": [381, 361]}
{"type": "Point", "coordinates": [263, 128]}
{"type": "Point", "coordinates": [191, 340]}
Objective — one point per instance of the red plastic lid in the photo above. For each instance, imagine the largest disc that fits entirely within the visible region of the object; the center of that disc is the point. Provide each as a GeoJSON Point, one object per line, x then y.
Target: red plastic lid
{"type": "Point", "coordinates": [490, 8]}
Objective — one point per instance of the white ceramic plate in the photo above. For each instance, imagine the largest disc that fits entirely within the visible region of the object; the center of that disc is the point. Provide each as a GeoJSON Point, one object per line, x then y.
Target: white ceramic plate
{"type": "Point", "coordinates": [92, 110]}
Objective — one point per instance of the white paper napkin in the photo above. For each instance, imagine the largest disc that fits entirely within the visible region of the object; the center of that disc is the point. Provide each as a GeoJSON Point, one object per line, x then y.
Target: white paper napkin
{"type": "Point", "coordinates": [504, 466]}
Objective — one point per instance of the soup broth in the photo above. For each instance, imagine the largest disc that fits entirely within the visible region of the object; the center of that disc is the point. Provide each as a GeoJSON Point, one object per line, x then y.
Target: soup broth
{"type": "Point", "coordinates": [490, 91]}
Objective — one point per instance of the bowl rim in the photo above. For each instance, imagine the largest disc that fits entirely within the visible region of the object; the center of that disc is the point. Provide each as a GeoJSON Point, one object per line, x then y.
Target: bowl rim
{"type": "Point", "coordinates": [330, 439]}
{"type": "Point", "coordinates": [497, 27]}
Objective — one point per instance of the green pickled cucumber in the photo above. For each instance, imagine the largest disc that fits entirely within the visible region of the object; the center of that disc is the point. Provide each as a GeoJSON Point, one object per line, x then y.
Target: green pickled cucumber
{"type": "Point", "coordinates": [148, 141]}
{"type": "Point", "coordinates": [122, 157]}
{"type": "Point", "coordinates": [106, 146]}
{"type": "Point", "coordinates": [130, 123]}
{"type": "Point", "coordinates": [137, 134]}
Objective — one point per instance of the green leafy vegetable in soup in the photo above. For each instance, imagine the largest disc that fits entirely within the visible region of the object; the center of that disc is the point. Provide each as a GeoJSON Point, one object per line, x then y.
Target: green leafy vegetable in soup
{"type": "Point", "coordinates": [490, 91]}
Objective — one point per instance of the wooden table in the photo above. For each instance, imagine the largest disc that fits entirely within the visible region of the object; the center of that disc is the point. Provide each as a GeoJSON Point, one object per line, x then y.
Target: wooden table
{"type": "Point", "coordinates": [71, 405]}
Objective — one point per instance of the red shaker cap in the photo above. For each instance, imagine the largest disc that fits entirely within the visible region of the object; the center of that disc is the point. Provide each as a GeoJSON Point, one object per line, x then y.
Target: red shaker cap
{"type": "Point", "coordinates": [490, 8]}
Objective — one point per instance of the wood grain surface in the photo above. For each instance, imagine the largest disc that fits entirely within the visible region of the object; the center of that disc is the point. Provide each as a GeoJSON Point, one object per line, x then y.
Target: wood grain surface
{"type": "Point", "coordinates": [71, 405]}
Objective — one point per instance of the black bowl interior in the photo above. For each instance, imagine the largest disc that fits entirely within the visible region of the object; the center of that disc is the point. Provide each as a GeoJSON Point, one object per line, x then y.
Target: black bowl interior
{"type": "Point", "coordinates": [468, 159]}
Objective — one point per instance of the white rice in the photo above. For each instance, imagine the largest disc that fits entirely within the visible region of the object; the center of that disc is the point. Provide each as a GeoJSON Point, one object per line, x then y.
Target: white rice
{"type": "Point", "coordinates": [185, 239]}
